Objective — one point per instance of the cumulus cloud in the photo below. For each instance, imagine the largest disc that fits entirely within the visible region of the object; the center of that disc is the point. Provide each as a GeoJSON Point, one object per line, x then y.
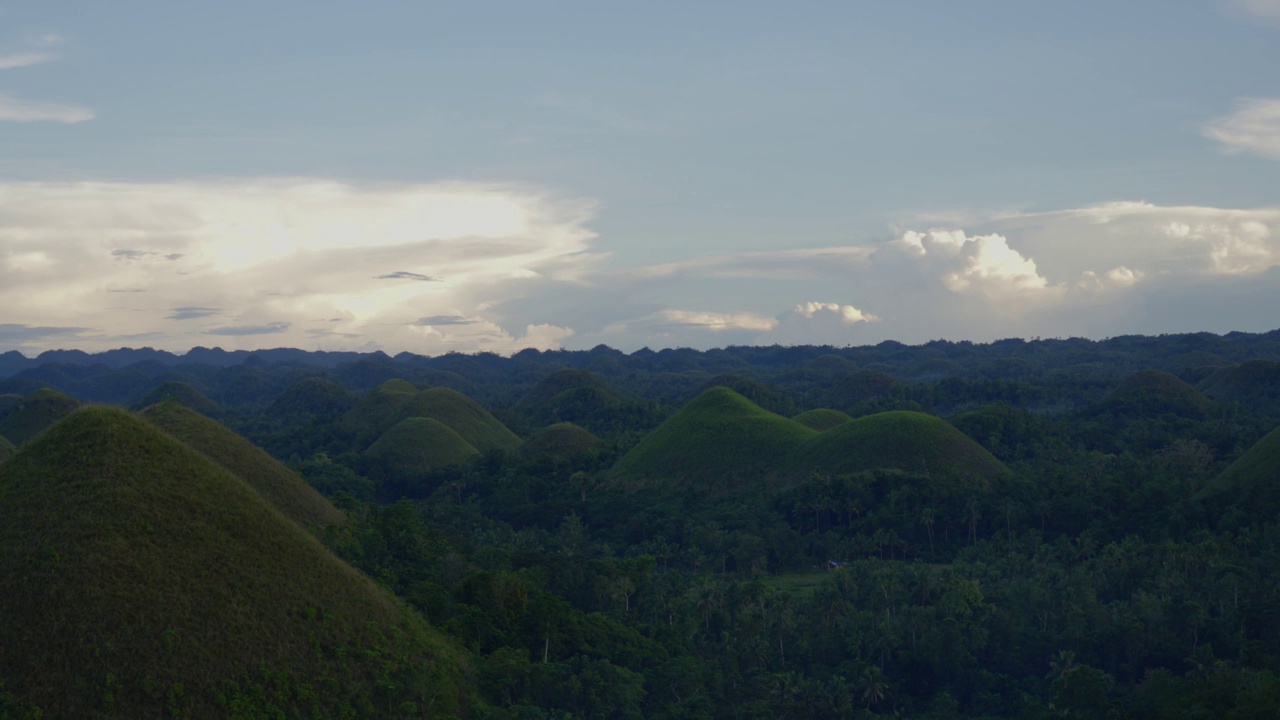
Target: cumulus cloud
{"type": "Point", "coordinates": [19, 110]}
{"type": "Point", "coordinates": [271, 256]}
{"type": "Point", "coordinates": [1253, 127]}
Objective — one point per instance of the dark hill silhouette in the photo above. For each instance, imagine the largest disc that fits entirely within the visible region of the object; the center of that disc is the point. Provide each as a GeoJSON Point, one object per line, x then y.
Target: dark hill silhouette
{"type": "Point", "coordinates": [6, 449]}
{"type": "Point", "coordinates": [310, 400]}
{"type": "Point", "coordinates": [282, 487]}
{"type": "Point", "coordinates": [35, 414]}
{"type": "Point", "coordinates": [1253, 383]}
{"type": "Point", "coordinates": [1252, 482]}
{"type": "Point", "coordinates": [860, 387]}
{"type": "Point", "coordinates": [560, 442]}
{"type": "Point", "coordinates": [140, 575]}
{"type": "Point", "coordinates": [1155, 391]}
{"type": "Point", "coordinates": [8, 403]}
{"type": "Point", "coordinates": [398, 400]}
{"type": "Point", "coordinates": [563, 381]}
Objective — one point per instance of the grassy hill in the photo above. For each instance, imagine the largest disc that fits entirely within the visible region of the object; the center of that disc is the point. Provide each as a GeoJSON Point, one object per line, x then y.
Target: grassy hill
{"type": "Point", "coordinates": [397, 400]}
{"type": "Point", "coordinates": [312, 399]}
{"type": "Point", "coordinates": [416, 446]}
{"type": "Point", "coordinates": [8, 403]}
{"type": "Point", "coordinates": [909, 441]}
{"type": "Point", "coordinates": [1154, 391]}
{"type": "Point", "coordinates": [35, 414]}
{"type": "Point", "coordinates": [144, 580]}
{"type": "Point", "coordinates": [753, 390]}
{"type": "Point", "coordinates": [282, 487]}
{"type": "Point", "coordinates": [1256, 382]}
{"type": "Point", "coordinates": [6, 449]}
{"type": "Point", "coordinates": [567, 380]}
{"type": "Point", "coordinates": [561, 441]}
{"type": "Point", "coordinates": [822, 419]}
{"type": "Point", "coordinates": [1252, 482]}
{"type": "Point", "coordinates": [181, 393]}
{"type": "Point", "coordinates": [718, 436]}
{"type": "Point", "coordinates": [861, 386]}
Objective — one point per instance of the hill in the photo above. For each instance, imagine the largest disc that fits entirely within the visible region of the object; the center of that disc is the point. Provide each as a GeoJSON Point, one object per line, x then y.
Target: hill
{"type": "Point", "coordinates": [181, 393]}
{"type": "Point", "coordinates": [822, 419]}
{"type": "Point", "coordinates": [282, 487]}
{"type": "Point", "coordinates": [753, 390]}
{"type": "Point", "coordinates": [559, 442]}
{"type": "Point", "coordinates": [142, 579]}
{"type": "Point", "coordinates": [567, 380]}
{"type": "Point", "coordinates": [396, 400]}
{"type": "Point", "coordinates": [6, 449]}
{"type": "Point", "coordinates": [35, 414]}
{"type": "Point", "coordinates": [312, 399]}
{"type": "Point", "coordinates": [902, 440]}
{"type": "Point", "coordinates": [417, 446]}
{"type": "Point", "coordinates": [718, 436]}
{"type": "Point", "coordinates": [1252, 482]}
{"type": "Point", "coordinates": [1154, 391]}
{"type": "Point", "coordinates": [8, 403]}
{"type": "Point", "coordinates": [861, 387]}
{"type": "Point", "coordinates": [1254, 383]}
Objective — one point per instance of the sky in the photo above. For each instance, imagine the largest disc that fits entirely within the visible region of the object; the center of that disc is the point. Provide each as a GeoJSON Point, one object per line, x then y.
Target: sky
{"type": "Point", "coordinates": [493, 176]}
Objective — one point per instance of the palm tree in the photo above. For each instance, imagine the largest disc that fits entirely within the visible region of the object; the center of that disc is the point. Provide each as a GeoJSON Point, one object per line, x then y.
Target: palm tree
{"type": "Point", "coordinates": [874, 686]}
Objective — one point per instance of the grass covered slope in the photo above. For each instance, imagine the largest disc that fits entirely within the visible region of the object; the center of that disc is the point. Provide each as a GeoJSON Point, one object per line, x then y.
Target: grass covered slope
{"type": "Point", "coordinates": [416, 446]}
{"type": "Point", "coordinates": [561, 441]}
{"type": "Point", "coordinates": [6, 449]}
{"type": "Point", "coordinates": [1251, 482]}
{"type": "Point", "coordinates": [397, 400]}
{"type": "Point", "coordinates": [312, 398]}
{"type": "Point", "coordinates": [282, 487]}
{"type": "Point", "coordinates": [567, 380]}
{"type": "Point", "coordinates": [1254, 383]}
{"type": "Point", "coordinates": [181, 393]}
{"type": "Point", "coordinates": [902, 440]}
{"type": "Point", "coordinates": [717, 436]}
{"type": "Point", "coordinates": [35, 414]}
{"type": "Point", "coordinates": [822, 419]}
{"type": "Point", "coordinates": [142, 579]}
{"type": "Point", "coordinates": [1155, 391]}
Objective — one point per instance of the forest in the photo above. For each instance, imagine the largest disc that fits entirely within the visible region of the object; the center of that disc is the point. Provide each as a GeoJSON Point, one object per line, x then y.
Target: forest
{"type": "Point", "coordinates": [1032, 529]}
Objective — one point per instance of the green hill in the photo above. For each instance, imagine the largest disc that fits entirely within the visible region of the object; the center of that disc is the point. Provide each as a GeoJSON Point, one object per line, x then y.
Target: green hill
{"type": "Point", "coordinates": [282, 487]}
{"type": "Point", "coordinates": [567, 380]}
{"type": "Point", "coordinates": [1252, 482]}
{"type": "Point", "coordinates": [1256, 382]}
{"type": "Point", "coordinates": [1154, 391]}
{"type": "Point", "coordinates": [6, 449]}
{"type": "Point", "coordinates": [416, 446]}
{"type": "Point", "coordinates": [822, 419]}
{"type": "Point", "coordinates": [559, 442]}
{"type": "Point", "coordinates": [8, 403]}
{"type": "Point", "coordinates": [901, 440]}
{"type": "Point", "coordinates": [35, 414]}
{"type": "Point", "coordinates": [396, 400]}
{"type": "Point", "coordinates": [143, 580]}
{"type": "Point", "coordinates": [861, 386]}
{"type": "Point", "coordinates": [312, 399]}
{"type": "Point", "coordinates": [753, 390]}
{"type": "Point", "coordinates": [181, 393]}
{"type": "Point", "coordinates": [718, 436]}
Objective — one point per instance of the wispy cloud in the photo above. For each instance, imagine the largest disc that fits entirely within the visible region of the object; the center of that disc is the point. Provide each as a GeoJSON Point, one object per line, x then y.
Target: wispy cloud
{"type": "Point", "coordinates": [406, 275]}
{"type": "Point", "coordinates": [18, 110]}
{"type": "Point", "coordinates": [18, 60]}
{"type": "Point", "coordinates": [1253, 127]}
{"type": "Point", "coordinates": [192, 313]}
{"type": "Point", "coordinates": [237, 330]}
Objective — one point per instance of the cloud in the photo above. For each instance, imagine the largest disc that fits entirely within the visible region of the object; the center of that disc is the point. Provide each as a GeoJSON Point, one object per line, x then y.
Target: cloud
{"type": "Point", "coordinates": [192, 313]}
{"type": "Point", "coordinates": [19, 335]}
{"type": "Point", "coordinates": [241, 330]}
{"type": "Point", "coordinates": [1266, 10]}
{"type": "Point", "coordinates": [18, 60]}
{"type": "Point", "coordinates": [715, 321]}
{"type": "Point", "coordinates": [1253, 127]}
{"type": "Point", "coordinates": [405, 275]}
{"type": "Point", "coordinates": [19, 110]}
{"type": "Point", "coordinates": [276, 254]}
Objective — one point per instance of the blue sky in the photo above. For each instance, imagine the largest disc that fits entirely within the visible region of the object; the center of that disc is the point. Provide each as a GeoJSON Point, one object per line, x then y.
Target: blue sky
{"type": "Point", "coordinates": [467, 176]}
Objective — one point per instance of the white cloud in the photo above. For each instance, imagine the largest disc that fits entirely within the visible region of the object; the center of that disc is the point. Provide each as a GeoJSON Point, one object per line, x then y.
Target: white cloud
{"type": "Point", "coordinates": [1254, 127]}
{"type": "Point", "coordinates": [845, 314]}
{"type": "Point", "coordinates": [276, 262]}
{"type": "Point", "coordinates": [19, 110]}
{"type": "Point", "coordinates": [18, 60]}
{"type": "Point", "coordinates": [718, 322]}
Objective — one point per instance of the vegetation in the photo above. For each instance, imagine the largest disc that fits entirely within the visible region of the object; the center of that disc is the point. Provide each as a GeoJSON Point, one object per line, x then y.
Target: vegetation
{"type": "Point", "coordinates": [821, 419]}
{"type": "Point", "coordinates": [143, 580]}
{"type": "Point", "coordinates": [395, 401]}
{"type": "Point", "coordinates": [411, 450]}
{"type": "Point", "coordinates": [35, 414]}
{"type": "Point", "coordinates": [279, 485]}
{"type": "Point", "coordinates": [182, 394]}
{"type": "Point", "coordinates": [560, 442]}
{"type": "Point", "coordinates": [6, 449]}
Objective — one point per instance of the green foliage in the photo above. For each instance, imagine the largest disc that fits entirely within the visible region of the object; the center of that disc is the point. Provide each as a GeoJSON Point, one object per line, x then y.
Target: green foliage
{"type": "Point", "coordinates": [35, 414]}
{"type": "Point", "coordinates": [1251, 484]}
{"type": "Point", "coordinates": [561, 442]}
{"type": "Point", "coordinates": [6, 448]}
{"type": "Point", "coordinates": [1152, 392]}
{"type": "Point", "coordinates": [412, 449]}
{"type": "Point", "coordinates": [396, 400]}
{"type": "Point", "coordinates": [282, 487]}
{"type": "Point", "coordinates": [1252, 383]}
{"type": "Point", "coordinates": [311, 400]}
{"type": "Point", "coordinates": [140, 575]}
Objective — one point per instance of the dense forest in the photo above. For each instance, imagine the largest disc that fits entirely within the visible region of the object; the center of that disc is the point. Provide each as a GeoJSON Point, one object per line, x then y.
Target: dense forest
{"type": "Point", "coordinates": [1022, 529]}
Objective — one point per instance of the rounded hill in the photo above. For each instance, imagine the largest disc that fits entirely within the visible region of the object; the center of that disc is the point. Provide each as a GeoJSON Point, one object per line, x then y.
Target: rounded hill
{"type": "Point", "coordinates": [903, 440]}
{"type": "Point", "coordinates": [35, 414]}
{"type": "Point", "coordinates": [562, 441]}
{"type": "Point", "coordinates": [380, 410]}
{"type": "Point", "coordinates": [1256, 382]}
{"type": "Point", "coordinates": [1156, 391]}
{"type": "Point", "coordinates": [312, 399]}
{"type": "Point", "coordinates": [6, 449]}
{"type": "Point", "coordinates": [178, 586]}
{"type": "Point", "coordinates": [567, 380]}
{"type": "Point", "coordinates": [822, 419]}
{"type": "Point", "coordinates": [181, 393]}
{"type": "Point", "coordinates": [282, 487]}
{"type": "Point", "coordinates": [1252, 482]}
{"type": "Point", "coordinates": [753, 390]}
{"type": "Point", "coordinates": [416, 446]}
{"type": "Point", "coordinates": [718, 436]}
